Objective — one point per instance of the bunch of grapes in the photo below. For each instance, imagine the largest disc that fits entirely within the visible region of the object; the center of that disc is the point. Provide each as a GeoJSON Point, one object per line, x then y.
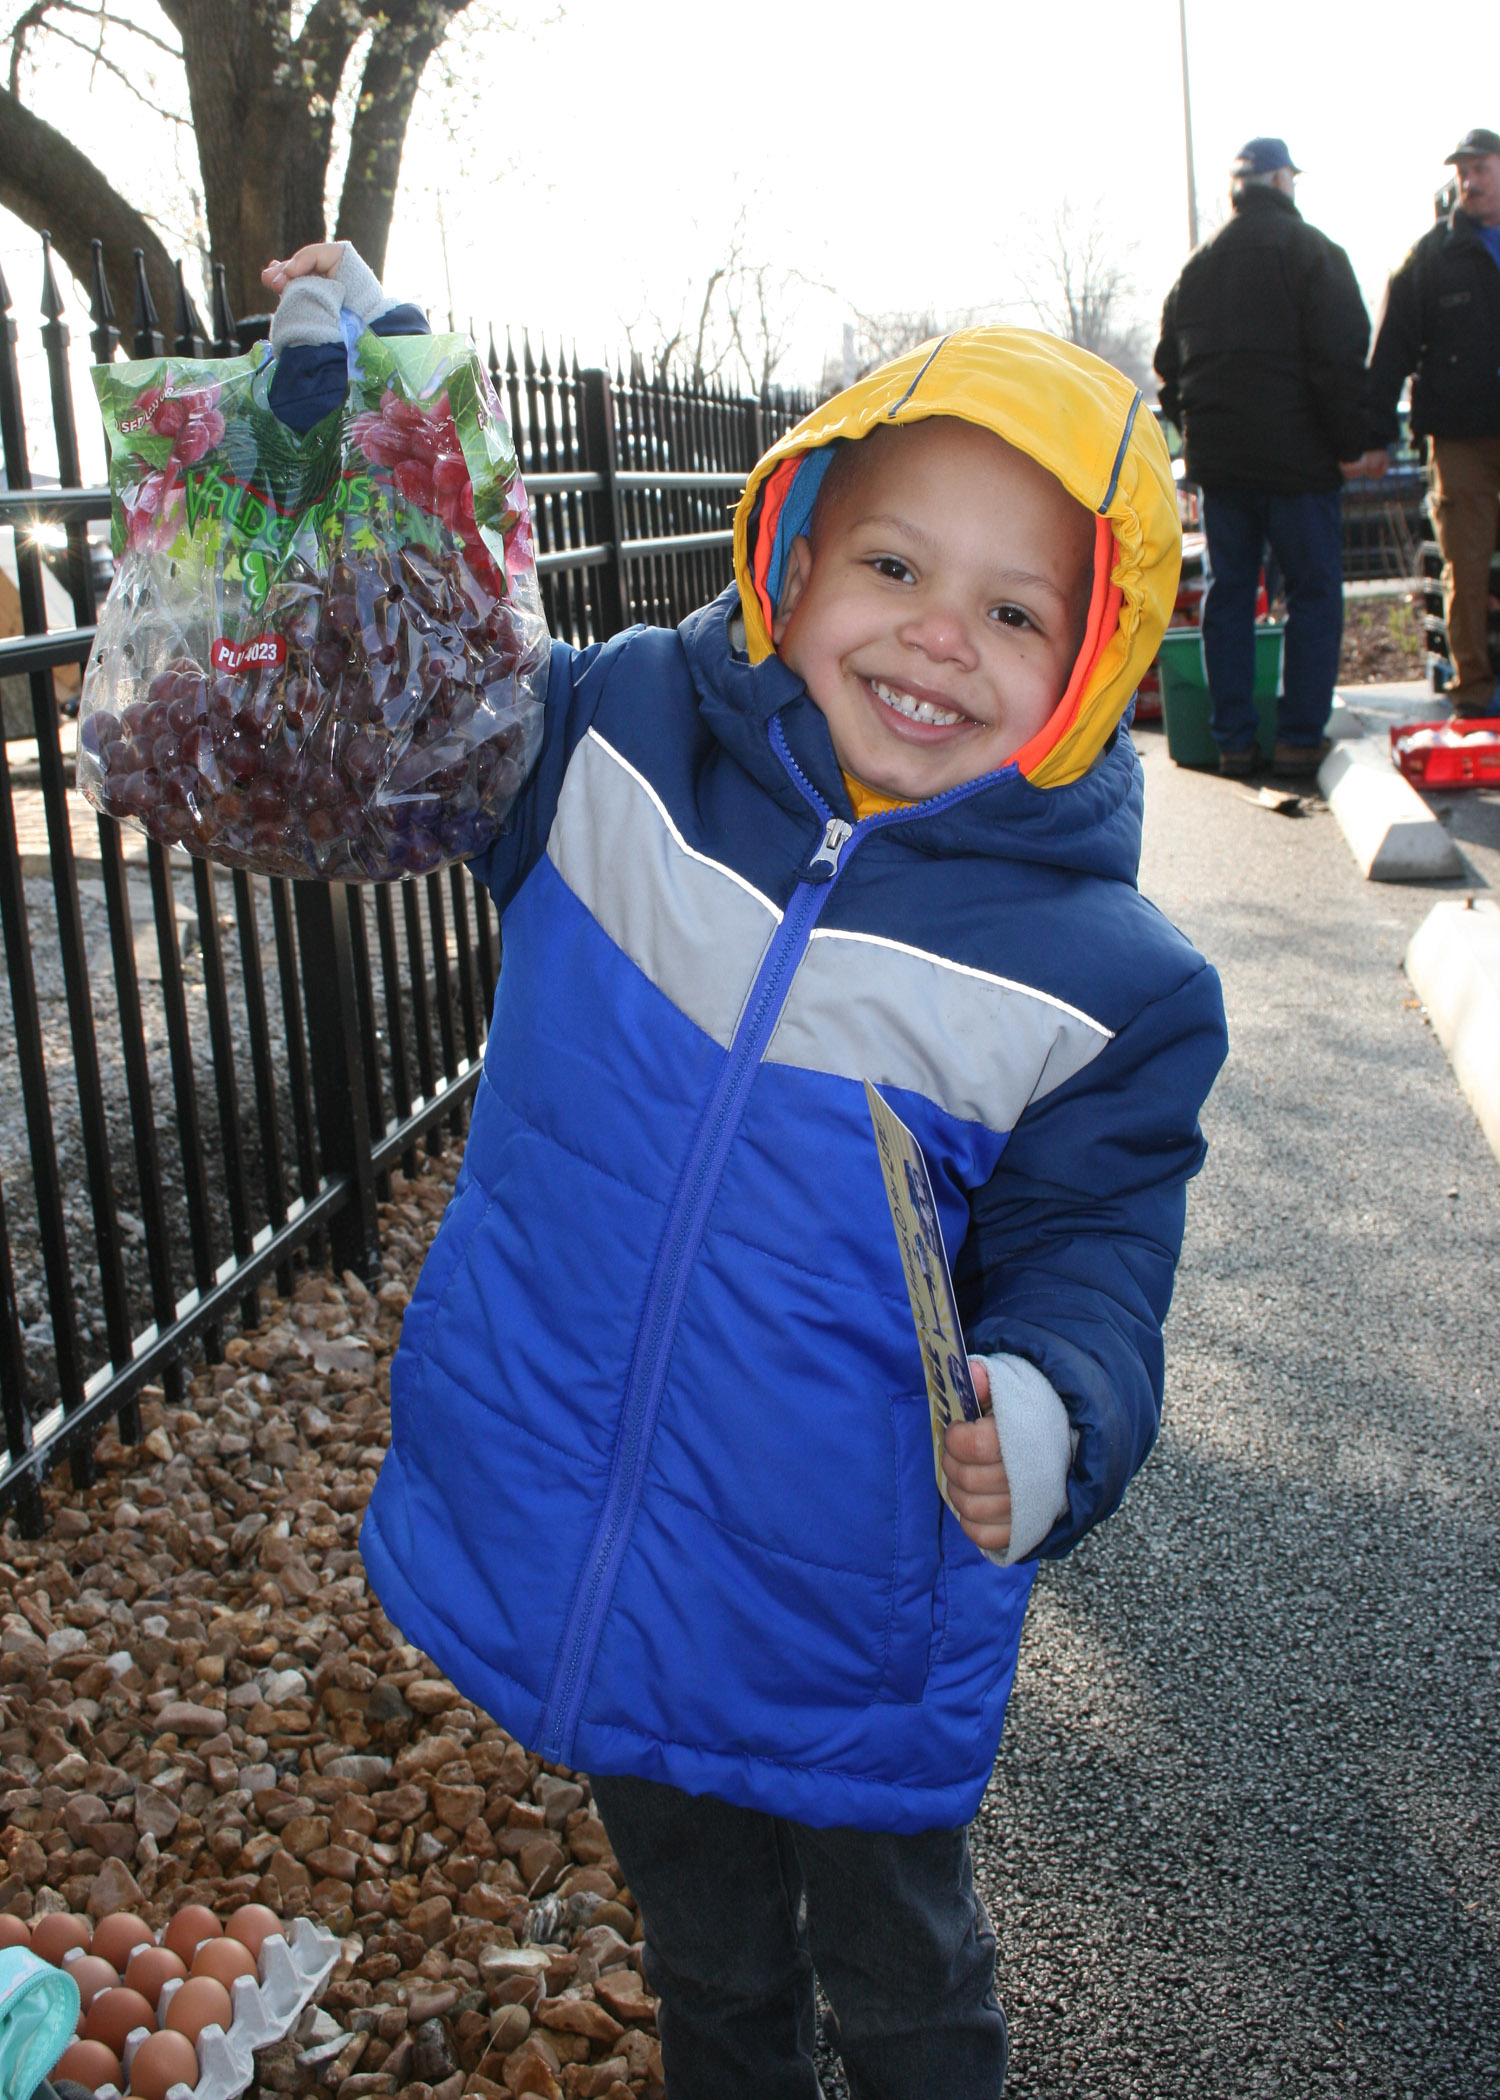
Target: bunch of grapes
{"type": "Point", "coordinates": [378, 727]}
{"type": "Point", "coordinates": [193, 424]}
{"type": "Point", "coordinates": [420, 448]}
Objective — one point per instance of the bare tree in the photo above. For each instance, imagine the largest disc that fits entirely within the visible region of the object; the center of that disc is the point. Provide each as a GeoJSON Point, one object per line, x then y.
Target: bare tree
{"type": "Point", "coordinates": [737, 321]}
{"type": "Point", "coordinates": [1079, 287]}
{"type": "Point", "coordinates": [257, 84]}
{"type": "Point", "coordinates": [874, 339]}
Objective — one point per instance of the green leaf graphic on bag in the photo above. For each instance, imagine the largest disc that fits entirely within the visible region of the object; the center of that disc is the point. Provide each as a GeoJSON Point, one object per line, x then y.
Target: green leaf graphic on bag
{"type": "Point", "coordinates": [323, 651]}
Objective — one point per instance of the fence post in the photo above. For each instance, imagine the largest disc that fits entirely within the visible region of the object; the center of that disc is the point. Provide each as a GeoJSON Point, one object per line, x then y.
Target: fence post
{"type": "Point", "coordinates": [338, 1074]}
{"type": "Point", "coordinates": [753, 423]}
{"type": "Point", "coordinates": [599, 458]}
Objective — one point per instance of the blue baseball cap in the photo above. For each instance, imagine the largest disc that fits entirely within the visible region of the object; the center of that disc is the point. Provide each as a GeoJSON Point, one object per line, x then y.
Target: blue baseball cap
{"type": "Point", "coordinates": [1480, 140]}
{"type": "Point", "coordinates": [1263, 157]}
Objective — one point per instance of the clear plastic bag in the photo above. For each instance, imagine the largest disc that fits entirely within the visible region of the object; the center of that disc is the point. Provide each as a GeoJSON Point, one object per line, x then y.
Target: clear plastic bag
{"type": "Point", "coordinates": [322, 655]}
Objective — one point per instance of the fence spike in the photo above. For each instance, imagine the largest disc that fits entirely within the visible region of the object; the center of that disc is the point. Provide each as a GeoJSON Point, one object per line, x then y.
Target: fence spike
{"type": "Point", "coordinates": [528, 362]}
{"type": "Point", "coordinates": [637, 369]}
{"type": "Point", "coordinates": [4, 294]}
{"type": "Point", "coordinates": [545, 368]}
{"type": "Point", "coordinates": [191, 336]}
{"type": "Point", "coordinates": [511, 367]}
{"type": "Point", "coordinates": [226, 342]}
{"type": "Point", "coordinates": [493, 361]}
{"type": "Point", "coordinates": [101, 306]}
{"type": "Point", "coordinates": [104, 336]}
{"type": "Point", "coordinates": [148, 337]}
{"type": "Point", "coordinates": [52, 306]}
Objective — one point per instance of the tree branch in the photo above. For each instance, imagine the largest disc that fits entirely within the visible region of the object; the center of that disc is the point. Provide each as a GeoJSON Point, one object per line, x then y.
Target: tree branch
{"type": "Point", "coordinates": [405, 38]}
{"type": "Point", "coordinates": [332, 29]}
{"type": "Point", "coordinates": [97, 55]}
{"type": "Point", "coordinates": [35, 17]}
{"type": "Point", "coordinates": [49, 184]}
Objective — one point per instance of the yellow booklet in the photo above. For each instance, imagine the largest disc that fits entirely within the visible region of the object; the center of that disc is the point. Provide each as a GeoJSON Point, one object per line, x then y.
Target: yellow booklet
{"type": "Point", "coordinates": [929, 1281]}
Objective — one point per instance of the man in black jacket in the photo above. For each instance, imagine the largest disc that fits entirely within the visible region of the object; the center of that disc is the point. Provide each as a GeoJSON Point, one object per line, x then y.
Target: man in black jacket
{"type": "Point", "coordinates": [1261, 362]}
{"type": "Point", "coordinates": [1441, 323]}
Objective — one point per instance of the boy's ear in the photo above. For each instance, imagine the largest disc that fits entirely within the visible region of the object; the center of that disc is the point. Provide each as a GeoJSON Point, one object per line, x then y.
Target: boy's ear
{"type": "Point", "coordinates": [794, 583]}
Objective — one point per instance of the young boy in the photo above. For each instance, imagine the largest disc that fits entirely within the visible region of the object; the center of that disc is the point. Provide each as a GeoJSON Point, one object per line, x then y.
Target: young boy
{"type": "Point", "coordinates": [660, 1491]}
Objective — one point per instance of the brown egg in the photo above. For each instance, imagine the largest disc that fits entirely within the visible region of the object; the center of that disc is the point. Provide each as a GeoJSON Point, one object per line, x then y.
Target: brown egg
{"type": "Point", "coordinates": [13, 1931]}
{"type": "Point", "coordinates": [200, 2003]}
{"type": "Point", "coordinates": [118, 1935]}
{"type": "Point", "coordinates": [116, 2013]}
{"type": "Point", "coordinates": [163, 2060]}
{"type": "Point", "coordinates": [252, 1924]}
{"type": "Point", "coordinates": [150, 1967]}
{"type": "Point", "coordinates": [194, 1922]}
{"type": "Point", "coordinates": [91, 1976]}
{"type": "Point", "coordinates": [90, 2063]}
{"type": "Point", "coordinates": [224, 1960]}
{"type": "Point", "coordinates": [52, 1936]}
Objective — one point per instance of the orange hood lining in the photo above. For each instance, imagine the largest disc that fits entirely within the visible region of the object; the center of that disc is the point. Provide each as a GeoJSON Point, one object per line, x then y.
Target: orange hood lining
{"type": "Point", "coordinates": [1099, 631]}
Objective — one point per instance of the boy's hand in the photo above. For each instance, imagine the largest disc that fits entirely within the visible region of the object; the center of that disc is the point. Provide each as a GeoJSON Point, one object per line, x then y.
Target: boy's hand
{"type": "Point", "coordinates": [975, 1473]}
{"type": "Point", "coordinates": [317, 259]}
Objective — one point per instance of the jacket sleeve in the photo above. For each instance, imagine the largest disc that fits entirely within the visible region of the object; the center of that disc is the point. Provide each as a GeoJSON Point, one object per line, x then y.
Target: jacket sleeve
{"type": "Point", "coordinates": [576, 679]}
{"type": "Point", "coordinates": [1168, 363]}
{"type": "Point", "coordinates": [1335, 337]}
{"type": "Point", "coordinates": [1397, 352]}
{"type": "Point", "coordinates": [1074, 1240]}
{"type": "Point", "coordinates": [310, 380]}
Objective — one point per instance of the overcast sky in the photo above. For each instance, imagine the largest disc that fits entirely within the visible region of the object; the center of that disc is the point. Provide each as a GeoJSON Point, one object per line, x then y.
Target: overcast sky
{"type": "Point", "coordinates": [906, 158]}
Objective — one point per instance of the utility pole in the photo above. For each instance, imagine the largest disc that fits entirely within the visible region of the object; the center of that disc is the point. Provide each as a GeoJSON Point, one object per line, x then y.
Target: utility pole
{"type": "Point", "coordinates": [1187, 128]}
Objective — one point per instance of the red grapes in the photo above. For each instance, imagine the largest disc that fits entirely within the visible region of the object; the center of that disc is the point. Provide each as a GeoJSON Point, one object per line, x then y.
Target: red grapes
{"type": "Point", "coordinates": [377, 727]}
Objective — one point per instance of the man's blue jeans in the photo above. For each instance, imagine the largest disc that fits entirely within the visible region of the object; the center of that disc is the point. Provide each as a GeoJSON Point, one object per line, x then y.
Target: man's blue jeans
{"type": "Point", "coordinates": [1306, 538]}
{"type": "Point", "coordinates": [739, 1907]}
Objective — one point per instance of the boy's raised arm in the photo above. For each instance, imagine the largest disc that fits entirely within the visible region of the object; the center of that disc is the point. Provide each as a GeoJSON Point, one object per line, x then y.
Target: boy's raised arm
{"type": "Point", "coordinates": [313, 287]}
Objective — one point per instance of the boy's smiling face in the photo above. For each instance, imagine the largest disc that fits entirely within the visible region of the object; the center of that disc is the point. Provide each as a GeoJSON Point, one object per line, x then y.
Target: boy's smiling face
{"type": "Point", "coordinates": [937, 609]}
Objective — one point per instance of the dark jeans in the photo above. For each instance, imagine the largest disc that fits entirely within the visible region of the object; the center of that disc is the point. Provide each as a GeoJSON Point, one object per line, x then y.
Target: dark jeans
{"type": "Point", "coordinates": [739, 1908]}
{"type": "Point", "coordinates": [1305, 537]}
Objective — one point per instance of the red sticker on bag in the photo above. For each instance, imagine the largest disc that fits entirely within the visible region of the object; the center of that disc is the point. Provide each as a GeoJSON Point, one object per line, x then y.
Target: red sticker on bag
{"type": "Point", "coordinates": [266, 651]}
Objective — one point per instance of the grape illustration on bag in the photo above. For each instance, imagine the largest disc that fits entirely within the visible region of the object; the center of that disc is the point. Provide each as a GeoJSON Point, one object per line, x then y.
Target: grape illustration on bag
{"type": "Point", "coordinates": [322, 655]}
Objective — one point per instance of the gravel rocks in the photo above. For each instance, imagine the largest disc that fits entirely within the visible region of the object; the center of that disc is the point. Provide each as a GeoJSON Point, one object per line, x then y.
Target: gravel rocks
{"type": "Point", "coordinates": [201, 1701]}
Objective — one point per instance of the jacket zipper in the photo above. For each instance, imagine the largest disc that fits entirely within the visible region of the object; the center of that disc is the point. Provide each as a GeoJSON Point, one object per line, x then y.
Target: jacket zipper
{"type": "Point", "coordinates": [697, 1186]}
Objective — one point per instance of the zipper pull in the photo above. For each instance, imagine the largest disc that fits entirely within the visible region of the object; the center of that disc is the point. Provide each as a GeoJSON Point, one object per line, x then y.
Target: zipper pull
{"type": "Point", "coordinates": [836, 835]}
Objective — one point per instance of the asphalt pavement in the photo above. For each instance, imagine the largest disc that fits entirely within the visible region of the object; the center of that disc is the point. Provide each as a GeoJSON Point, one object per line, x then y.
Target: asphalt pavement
{"type": "Point", "coordinates": [1244, 1832]}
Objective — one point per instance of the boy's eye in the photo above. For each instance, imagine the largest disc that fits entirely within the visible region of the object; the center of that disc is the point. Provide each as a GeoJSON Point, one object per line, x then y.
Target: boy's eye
{"type": "Point", "coordinates": [1012, 616]}
{"type": "Point", "coordinates": [892, 565]}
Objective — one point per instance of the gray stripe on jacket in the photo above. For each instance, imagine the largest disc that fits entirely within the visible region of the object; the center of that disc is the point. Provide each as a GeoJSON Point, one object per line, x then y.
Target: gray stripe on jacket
{"type": "Point", "coordinates": [860, 1006]}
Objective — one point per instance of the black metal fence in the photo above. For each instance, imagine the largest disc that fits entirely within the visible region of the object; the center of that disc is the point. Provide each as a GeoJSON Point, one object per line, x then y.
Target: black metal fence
{"type": "Point", "coordinates": [204, 1077]}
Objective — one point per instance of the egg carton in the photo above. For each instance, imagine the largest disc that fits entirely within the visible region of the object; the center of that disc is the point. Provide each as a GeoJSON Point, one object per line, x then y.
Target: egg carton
{"type": "Point", "coordinates": [292, 1971]}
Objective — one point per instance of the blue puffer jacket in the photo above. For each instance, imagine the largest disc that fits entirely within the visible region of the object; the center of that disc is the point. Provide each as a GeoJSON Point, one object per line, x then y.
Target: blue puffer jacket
{"type": "Point", "coordinates": [659, 1494]}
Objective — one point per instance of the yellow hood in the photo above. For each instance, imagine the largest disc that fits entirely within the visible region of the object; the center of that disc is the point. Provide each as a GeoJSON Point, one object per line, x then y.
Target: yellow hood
{"type": "Point", "coordinates": [1076, 416]}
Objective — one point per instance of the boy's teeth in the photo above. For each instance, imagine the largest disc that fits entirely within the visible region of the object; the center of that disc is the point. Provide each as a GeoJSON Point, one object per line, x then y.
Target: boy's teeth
{"type": "Point", "coordinates": [915, 710]}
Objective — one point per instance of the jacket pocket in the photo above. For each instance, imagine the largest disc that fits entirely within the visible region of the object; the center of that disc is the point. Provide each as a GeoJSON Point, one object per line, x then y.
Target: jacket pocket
{"type": "Point", "coordinates": [913, 1627]}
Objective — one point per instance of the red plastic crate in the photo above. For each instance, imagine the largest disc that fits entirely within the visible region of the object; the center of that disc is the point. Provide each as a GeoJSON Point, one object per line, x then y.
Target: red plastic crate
{"type": "Point", "coordinates": [1473, 763]}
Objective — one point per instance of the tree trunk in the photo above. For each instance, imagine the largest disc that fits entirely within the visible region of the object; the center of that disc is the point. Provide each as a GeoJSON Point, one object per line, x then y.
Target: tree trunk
{"type": "Point", "coordinates": [262, 110]}
{"type": "Point", "coordinates": [48, 183]}
{"type": "Point", "coordinates": [405, 39]}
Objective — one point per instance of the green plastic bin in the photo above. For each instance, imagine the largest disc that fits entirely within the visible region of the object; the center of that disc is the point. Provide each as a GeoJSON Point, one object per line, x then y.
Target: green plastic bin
{"type": "Point", "coordinates": [1184, 692]}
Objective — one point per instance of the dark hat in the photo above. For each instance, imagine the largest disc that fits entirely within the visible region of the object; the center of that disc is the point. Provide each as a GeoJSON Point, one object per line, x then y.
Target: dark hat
{"type": "Point", "coordinates": [1263, 157]}
{"type": "Point", "coordinates": [1479, 140]}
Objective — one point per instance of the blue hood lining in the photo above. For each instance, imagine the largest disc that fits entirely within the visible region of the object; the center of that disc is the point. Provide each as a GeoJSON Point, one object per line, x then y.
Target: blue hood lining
{"type": "Point", "coordinates": [796, 514]}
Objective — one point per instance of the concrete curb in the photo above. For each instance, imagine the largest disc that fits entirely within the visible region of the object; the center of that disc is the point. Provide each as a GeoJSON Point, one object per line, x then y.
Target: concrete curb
{"type": "Point", "coordinates": [1392, 834]}
{"type": "Point", "coordinates": [1454, 965]}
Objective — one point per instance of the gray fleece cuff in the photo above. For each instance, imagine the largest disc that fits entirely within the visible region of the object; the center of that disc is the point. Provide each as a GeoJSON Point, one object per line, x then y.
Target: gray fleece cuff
{"type": "Point", "coordinates": [309, 308]}
{"type": "Point", "coordinates": [1037, 1442]}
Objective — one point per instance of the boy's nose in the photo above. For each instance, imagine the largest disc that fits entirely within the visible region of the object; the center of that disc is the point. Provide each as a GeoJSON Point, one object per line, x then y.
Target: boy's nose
{"type": "Point", "coordinates": [942, 634]}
